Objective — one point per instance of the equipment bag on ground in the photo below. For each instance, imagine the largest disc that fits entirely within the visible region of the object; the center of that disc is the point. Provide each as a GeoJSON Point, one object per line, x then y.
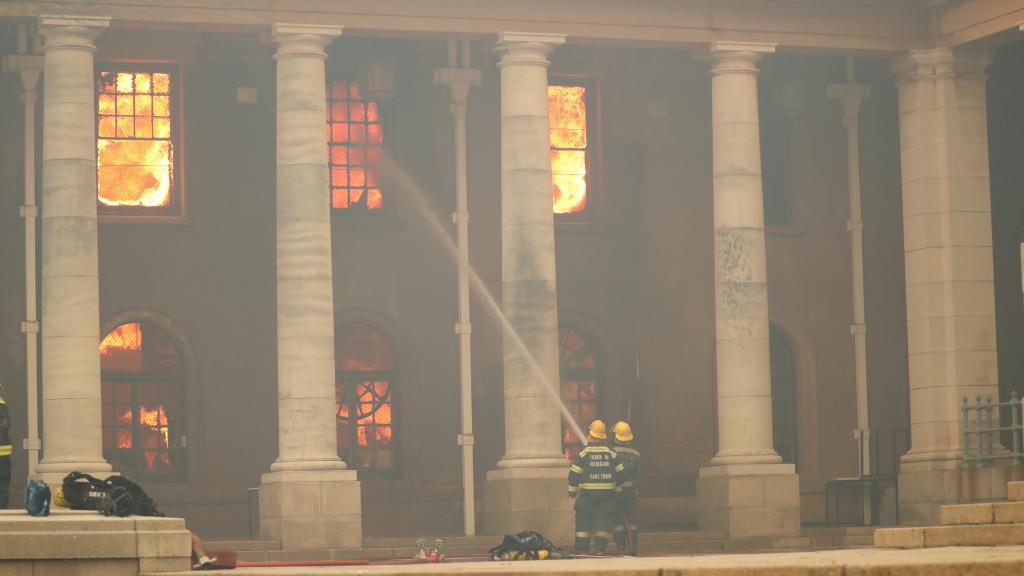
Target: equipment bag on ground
{"type": "Point", "coordinates": [528, 545]}
{"type": "Point", "coordinates": [37, 498]}
{"type": "Point", "coordinates": [114, 496]}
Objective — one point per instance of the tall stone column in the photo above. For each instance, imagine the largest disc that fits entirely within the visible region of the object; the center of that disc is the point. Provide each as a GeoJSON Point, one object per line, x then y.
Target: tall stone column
{"type": "Point", "coordinates": [947, 236]}
{"type": "Point", "coordinates": [70, 276]}
{"type": "Point", "coordinates": [746, 491]}
{"type": "Point", "coordinates": [528, 490]}
{"type": "Point", "coordinates": [309, 499]}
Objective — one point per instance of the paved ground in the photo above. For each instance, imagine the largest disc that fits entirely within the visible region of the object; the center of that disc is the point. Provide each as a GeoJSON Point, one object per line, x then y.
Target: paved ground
{"type": "Point", "coordinates": [986, 561]}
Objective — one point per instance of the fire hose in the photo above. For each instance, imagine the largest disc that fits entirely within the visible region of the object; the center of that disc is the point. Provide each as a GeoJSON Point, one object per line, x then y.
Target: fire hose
{"type": "Point", "coordinates": [244, 564]}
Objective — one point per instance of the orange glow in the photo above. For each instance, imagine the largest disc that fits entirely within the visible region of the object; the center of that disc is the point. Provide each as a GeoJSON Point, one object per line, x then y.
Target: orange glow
{"type": "Point", "coordinates": [377, 424]}
{"type": "Point", "coordinates": [568, 115]}
{"type": "Point", "coordinates": [355, 137]}
{"type": "Point", "coordinates": [153, 433]}
{"type": "Point", "coordinates": [156, 419]}
{"type": "Point", "coordinates": [134, 173]}
{"type": "Point", "coordinates": [124, 438]}
{"type": "Point", "coordinates": [126, 337]}
{"type": "Point", "coordinates": [135, 153]}
{"type": "Point", "coordinates": [121, 349]}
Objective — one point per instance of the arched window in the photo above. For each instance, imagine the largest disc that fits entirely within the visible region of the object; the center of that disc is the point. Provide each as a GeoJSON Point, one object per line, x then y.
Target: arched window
{"type": "Point", "coordinates": [143, 375]}
{"type": "Point", "coordinates": [783, 363]}
{"type": "Point", "coordinates": [365, 397]}
{"type": "Point", "coordinates": [579, 366]}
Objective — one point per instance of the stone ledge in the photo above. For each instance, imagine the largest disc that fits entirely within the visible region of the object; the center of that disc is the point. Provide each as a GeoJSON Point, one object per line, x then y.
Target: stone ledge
{"type": "Point", "coordinates": [1008, 512]}
{"type": "Point", "coordinates": [951, 514]}
{"type": "Point", "coordinates": [941, 536]}
{"type": "Point", "coordinates": [899, 538]}
{"type": "Point", "coordinates": [990, 535]}
{"type": "Point", "coordinates": [83, 542]}
{"type": "Point", "coordinates": [1015, 491]}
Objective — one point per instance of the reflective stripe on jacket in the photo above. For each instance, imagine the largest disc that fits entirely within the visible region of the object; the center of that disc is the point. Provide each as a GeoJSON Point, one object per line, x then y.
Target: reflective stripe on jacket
{"type": "Point", "coordinates": [631, 467]}
{"type": "Point", "coordinates": [596, 469]}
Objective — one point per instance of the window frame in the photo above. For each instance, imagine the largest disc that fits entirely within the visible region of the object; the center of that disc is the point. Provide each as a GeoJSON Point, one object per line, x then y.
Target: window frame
{"type": "Point", "coordinates": [385, 110]}
{"type": "Point", "coordinates": [595, 374]}
{"type": "Point", "coordinates": [177, 446]}
{"type": "Point", "coordinates": [175, 211]}
{"type": "Point", "coordinates": [592, 153]}
{"type": "Point", "coordinates": [357, 376]}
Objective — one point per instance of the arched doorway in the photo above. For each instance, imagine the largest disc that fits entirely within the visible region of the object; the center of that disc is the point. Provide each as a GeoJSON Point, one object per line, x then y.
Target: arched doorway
{"type": "Point", "coordinates": [365, 397]}
{"type": "Point", "coordinates": [143, 379]}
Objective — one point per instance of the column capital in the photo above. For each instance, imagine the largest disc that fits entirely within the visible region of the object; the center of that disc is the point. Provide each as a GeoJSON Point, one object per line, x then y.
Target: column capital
{"type": "Point", "coordinates": [851, 96]}
{"type": "Point", "coordinates": [303, 39]}
{"type": "Point", "coordinates": [939, 62]}
{"type": "Point", "coordinates": [71, 31]}
{"type": "Point", "coordinates": [459, 81]}
{"type": "Point", "coordinates": [737, 57]}
{"type": "Point", "coordinates": [29, 66]}
{"type": "Point", "coordinates": [527, 47]}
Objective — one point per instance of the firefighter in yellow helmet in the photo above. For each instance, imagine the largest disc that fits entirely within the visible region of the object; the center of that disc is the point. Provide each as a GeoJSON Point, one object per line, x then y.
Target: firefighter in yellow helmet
{"type": "Point", "coordinates": [5, 454]}
{"type": "Point", "coordinates": [625, 528]}
{"type": "Point", "coordinates": [594, 481]}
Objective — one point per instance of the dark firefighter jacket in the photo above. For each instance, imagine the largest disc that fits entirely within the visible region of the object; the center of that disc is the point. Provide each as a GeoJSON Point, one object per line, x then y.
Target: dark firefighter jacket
{"type": "Point", "coordinates": [630, 459]}
{"type": "Point", "coordinates": [597, 470]}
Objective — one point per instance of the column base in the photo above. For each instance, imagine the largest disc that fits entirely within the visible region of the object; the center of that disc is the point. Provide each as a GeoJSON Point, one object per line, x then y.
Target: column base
{"type": "Point", "coordinates": [749, 500]}
{"type": "Point", "coordinates": [311, 509]}
{"type": "Point", "coordinates": [926, 485]}
{"type": "Point", "coordinates": [517, 499]}
{"type": "Point", "coordinates": [53, 474]}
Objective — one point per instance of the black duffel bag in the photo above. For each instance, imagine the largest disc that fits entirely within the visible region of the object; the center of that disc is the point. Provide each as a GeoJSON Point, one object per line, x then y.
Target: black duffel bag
{"type": "Point", "coordinates": [115, 496]}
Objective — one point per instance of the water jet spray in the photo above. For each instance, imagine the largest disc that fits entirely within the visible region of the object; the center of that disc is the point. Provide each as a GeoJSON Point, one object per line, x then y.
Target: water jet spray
{"type": "Point", "coordinates": [403, 182]}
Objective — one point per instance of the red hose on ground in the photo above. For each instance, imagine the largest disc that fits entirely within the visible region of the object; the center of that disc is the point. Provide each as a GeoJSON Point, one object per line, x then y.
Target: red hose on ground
{"type": "Point", "coordinates": [244, 564]}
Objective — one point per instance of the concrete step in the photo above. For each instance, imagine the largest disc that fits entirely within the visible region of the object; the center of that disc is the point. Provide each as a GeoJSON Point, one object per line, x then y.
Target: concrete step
{"type": "Point", "coordinates": [982, 513]}
{"type": "Point", "coordinates": [837, 530]}
{"type": "Point", "coordinates": [961, 535]}
{"type": "Point", "coordinates": [682, 536]}
{"type": "Point", "coordinates": [1015, 491]}
{"type": "Point", "coordinates": [671, 548]}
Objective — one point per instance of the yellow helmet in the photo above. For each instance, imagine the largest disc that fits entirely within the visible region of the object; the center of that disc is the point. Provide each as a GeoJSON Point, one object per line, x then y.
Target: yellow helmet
{"type": "Point", "coordinates": [58, 498]}
{"type": "Point", "coordinates": [598, 430]}
{"type": "Point", "coordinates": [622, 432]}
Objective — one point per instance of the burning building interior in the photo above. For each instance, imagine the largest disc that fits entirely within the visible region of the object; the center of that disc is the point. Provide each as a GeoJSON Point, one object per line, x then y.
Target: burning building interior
{"type": "Point", "coordinates": [250, 266]}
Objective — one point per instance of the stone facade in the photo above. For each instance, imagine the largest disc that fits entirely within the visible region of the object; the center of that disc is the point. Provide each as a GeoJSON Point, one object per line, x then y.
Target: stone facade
{"type": "Point", "coordinates": [675, 273]}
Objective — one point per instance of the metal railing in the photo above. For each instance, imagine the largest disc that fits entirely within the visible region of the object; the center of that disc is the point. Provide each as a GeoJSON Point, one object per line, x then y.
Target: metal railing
{"type": "Point", "coordinates": [979, 434]}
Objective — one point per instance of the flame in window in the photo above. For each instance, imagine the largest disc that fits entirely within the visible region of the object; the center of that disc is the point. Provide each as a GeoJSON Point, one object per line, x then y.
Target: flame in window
{"type": "Point", "coordinates": [354, 137]}
{"type": "Point", "coordinates": [153, 432]}
{"type": "Point", "coordinates": [567, 110]}
{"type": "Point", "coordinates": [126, 337]}
{"type": "Point", "coordinates": [134, 149]}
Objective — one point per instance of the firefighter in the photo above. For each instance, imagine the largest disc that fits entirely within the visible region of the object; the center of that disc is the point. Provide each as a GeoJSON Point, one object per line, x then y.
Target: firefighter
{"type": "Point", "coordinates": [626, 513]}
{"type": "Point", "coordinates": [594, 483]}
{"type": "Point", "coordinates": [5, 454]}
